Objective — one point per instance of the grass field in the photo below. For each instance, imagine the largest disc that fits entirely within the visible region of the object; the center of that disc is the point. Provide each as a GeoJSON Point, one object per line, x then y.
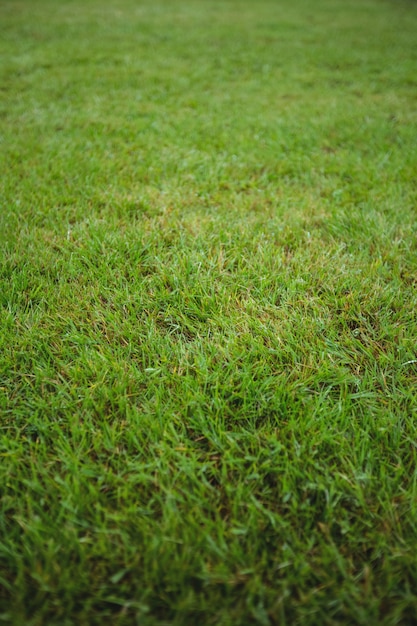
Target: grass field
{"type": "Point", "coordinates": [208, 331]}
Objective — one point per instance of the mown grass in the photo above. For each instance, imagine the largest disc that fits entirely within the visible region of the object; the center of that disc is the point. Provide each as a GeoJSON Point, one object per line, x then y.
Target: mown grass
{"type": "Point", "coordinates": [208, 312]}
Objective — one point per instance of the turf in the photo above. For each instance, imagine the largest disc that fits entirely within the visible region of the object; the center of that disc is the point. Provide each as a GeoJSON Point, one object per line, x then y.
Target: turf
{"type": "Point", "coordinates": [208, 312]}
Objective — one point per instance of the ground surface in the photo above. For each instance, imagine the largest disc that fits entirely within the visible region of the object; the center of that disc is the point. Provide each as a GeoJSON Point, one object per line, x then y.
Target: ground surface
{"type": "Point", "coordinates": [208, 312]}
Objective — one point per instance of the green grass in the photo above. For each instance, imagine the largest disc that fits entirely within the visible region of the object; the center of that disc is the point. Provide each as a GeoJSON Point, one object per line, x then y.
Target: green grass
{"type": "Point", "coordinates": [208, 331]}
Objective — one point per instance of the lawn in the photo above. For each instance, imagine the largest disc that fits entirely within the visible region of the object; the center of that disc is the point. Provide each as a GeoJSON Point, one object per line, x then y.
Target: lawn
{"type": "Point", "coordinates": [208, 312]}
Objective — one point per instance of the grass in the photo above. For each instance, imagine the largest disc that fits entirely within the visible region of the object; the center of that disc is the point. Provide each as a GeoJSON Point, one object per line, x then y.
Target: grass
{"type": "Point", "coordinates": [208, 312]}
